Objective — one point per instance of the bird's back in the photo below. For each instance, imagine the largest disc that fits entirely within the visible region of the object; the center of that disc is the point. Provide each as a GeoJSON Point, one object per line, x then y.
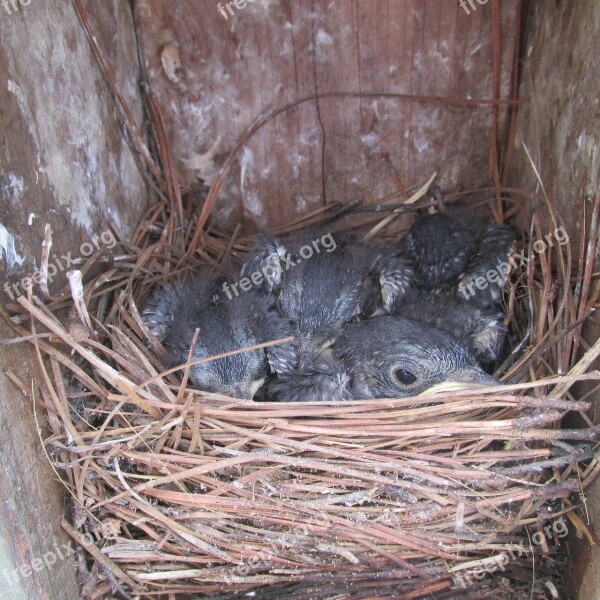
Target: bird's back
{"type": "Point", "coordinates": [479, 328]}
{"type": "Point", "coordinates": [440, 246]}
{"type": "Point", "coordinates": [323, 292]}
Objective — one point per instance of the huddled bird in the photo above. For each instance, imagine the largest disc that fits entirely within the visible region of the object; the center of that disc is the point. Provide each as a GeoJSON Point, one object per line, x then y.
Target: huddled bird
{"type": "Point", "coordinates": [342, 281]}
{"type": "Point", "coordinates": [449, 254]}
{"type": "Point", "coordinates": [479, 328]}
{"type": "Point", "coordinates": [383, 357]}
{"type": "Point", "coordinates": [175, 312]}
{"type": "Point", "coordinates": [415, 357]}
{"type": "Point", "coordinates": [366, 320]}
{"type": "Point", "coordinates": [324, 379]}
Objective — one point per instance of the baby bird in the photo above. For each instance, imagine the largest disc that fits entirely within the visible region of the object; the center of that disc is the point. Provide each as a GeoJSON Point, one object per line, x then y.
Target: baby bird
{"type": "Point", "coordinates": [479, 328]}
{"type": "Point", "coordinates": [321, 285]}
{"type": "Point", "coordinates": [174, 312]}
{"type": "Point", "coordinates": [393, 357]}
{"type": "Point", "coordinates": [447, 253]}
{"type": "Point", "coordinates": [320, 294]}
{"type": "Point", "coordinates": [324, 379]}
{"type": "Point", "coordinates": [440, 247]}
{"type": "Point", "coordinates": [384, 357]}
{"type": "Point", "coordinates": [491, 255]}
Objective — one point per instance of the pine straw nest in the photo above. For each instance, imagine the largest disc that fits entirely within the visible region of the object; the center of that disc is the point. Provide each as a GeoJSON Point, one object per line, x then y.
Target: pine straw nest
{"type": "Point", "coordinates": [189, 494]}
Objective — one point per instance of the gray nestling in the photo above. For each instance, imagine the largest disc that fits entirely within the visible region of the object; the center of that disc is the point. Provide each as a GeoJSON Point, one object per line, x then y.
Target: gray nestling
{"type": "Point", "coordinates": [491, 254]}
{"type": "Point", "coordinates": [479, 328]}
{"type": "Point", "coordinates": [440, 247]}
{"type": "Point", "coordinates": [268, 257]}
{"type": "Point", "coordinates": [322, 284]}
{"type": "Point", "coordinates": [393, 276]}
{"type": "Point", "coordinates": [394, 357]}
{"type": "Point", "coordinates": [384, 357]}
{"type": "Point", "coordinates": [174, 312]}
{"type": "Point", "coordinates": [449, 254]}
{"type": "Point", "coordinates": [325, 379]}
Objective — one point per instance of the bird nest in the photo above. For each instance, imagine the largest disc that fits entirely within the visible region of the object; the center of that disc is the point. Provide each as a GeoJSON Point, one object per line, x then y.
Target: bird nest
{"type": "Point", "coordinates": [179, 492]}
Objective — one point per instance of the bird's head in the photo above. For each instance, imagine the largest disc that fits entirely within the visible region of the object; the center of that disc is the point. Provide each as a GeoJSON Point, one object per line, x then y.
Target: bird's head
{"type": "Point", "coordinates": [393, 357]}
{"type": "Point", "coordinates": [225, 326]}
{"type": "Point", "coordinates": [239, 375]}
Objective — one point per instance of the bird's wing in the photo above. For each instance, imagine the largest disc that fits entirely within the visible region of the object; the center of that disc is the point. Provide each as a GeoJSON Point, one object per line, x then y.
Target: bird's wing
{"type": "Point", "coordinates": [322, 381]}
{"type": "Point", "coordinates": [490, 256]}
{"type": "Point", "coordinates": [265, 258]}
{"type": "Point", "coordinates": [481, 329]}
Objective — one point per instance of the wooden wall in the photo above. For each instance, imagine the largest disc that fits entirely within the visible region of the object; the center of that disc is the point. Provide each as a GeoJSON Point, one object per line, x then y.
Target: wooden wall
{"type": "Point", "coordinates": [559, 124]}
{"type": "Point", "coordinates": [272, 53]}
{"type": "Point", "coordinates": [63, 161]}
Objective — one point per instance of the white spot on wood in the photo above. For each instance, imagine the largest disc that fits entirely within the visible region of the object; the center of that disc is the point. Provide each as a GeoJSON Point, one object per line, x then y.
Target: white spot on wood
{"type": "Point", "coordinates": [476, 49]}
{"type": "Point", "coordinates": [370, 139]}
{"type": "Point", "coordinates": [246, 160]}
{"type": "Point", "coordinates": [15, 89]}
{"type": "Point", "coordinates": [586, 153]}
{"type": "Point", "coordinates": [199, 116]}
{"type": "Point", "coordinates": [253, 204]}
{"type": "Point", "coordinates": [444, 59]}
{"type": "Point", "coordinates": [287, 50]}
{"type": "Point", "coordinates": [203, 165]}
{"type": "Point", "coordinates": [267, 3]}
{"type": "Point", "coordinates": [375, 108]}
{"type": "Point", "coordinates": [323, 38]}
{"type": "Point", "coordinates": [171, 62]}
{"type": "Point", "coordinates": [300, 204]}
{"type": "Point", "coordinates": [587, 144]}
{"type": "Point", "coordinates": [8, 251]}
{"type": "Point", "coordinates": [13, 187]}
{"type": "Point", "coordinates": [310, 138]}
{"type": "Point", "coordinates": [420, 145]}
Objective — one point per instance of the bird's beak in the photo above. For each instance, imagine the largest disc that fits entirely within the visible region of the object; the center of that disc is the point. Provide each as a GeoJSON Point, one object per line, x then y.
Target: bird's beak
{"type": "Point", "coordinates": [466, 380]}
{"type": "Point", "coordinates": [246, 391]}
{"type": "Point", "coordinates": [256, 385]}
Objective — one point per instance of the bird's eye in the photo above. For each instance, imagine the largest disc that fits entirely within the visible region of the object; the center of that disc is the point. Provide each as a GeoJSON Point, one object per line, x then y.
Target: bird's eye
{"type": "Point", "coordinates": [405, 377]}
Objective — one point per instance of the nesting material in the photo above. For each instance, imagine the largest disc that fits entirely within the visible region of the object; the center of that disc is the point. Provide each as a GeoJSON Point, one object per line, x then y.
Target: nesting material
{"type": "Point", "coordinates": [185, 492]}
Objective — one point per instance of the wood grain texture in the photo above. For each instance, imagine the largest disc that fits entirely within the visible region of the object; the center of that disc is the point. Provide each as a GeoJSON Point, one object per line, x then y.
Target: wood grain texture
{"type": "Point", "coordinates": [272, 53]}
{"type": "Point", "coordinates": [63, 161]}
{"type": "Point", "coordinates": [31, 499]}
{"type": "Point", "coordinates": [559, 123]}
